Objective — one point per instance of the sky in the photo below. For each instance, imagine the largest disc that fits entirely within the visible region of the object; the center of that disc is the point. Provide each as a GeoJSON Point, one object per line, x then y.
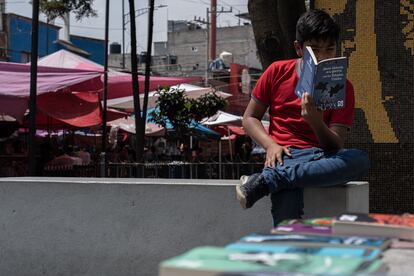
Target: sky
{"type": "Point", "coordinates": [175, 10]}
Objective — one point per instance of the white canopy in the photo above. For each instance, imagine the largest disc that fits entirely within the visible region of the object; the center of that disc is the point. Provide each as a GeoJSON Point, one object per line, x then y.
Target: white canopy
{"type": "Point", "coordinates": [191, 91]}
{"type": "Point", "coordinates": [128, 125]}
{"type": "Point", "coordinates": [222, 118]}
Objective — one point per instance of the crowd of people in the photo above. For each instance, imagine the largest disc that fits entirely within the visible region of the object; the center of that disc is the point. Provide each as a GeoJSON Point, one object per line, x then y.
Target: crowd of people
{"type": "Point", "coordinates": [64, 152]}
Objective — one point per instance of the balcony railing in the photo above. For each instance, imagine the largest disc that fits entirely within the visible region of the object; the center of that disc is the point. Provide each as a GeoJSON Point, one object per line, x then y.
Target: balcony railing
{"type": "Point", "coordinates": [175, 169]}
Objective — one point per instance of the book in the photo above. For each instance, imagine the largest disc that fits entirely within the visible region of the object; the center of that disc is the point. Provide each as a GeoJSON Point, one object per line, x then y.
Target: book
{"type": "Point", "coordinates": [380, 243]}
{"type": "Point", "coordinates": [209, 261]}
{"type": "Point", "coordinates": [325, 80]}
{"type": "Point", "coordinates": [329, 250]}
{"type": "Point", "coordinates": [373, 224]}
{"type": "Point", "coordinates": [317, 226]}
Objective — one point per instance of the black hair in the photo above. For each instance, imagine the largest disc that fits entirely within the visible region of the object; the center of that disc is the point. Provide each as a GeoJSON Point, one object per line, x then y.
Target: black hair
{"type": "Point", "coordinates": [318, 25]}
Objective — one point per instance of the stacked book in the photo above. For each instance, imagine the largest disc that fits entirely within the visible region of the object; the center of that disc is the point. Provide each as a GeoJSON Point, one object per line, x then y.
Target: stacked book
{"type": "Point", "coordinates": [347, 244]}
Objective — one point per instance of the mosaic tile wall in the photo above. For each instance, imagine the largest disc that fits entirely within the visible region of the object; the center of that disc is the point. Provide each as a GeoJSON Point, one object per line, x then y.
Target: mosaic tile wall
{"type": "Point", "coordinates": [378, 39]}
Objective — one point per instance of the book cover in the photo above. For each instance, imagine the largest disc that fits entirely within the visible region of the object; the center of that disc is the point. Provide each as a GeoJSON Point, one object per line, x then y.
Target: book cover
{"type": "Point", "coordinates": [340, 252]}
{"type": "Point", "coordinates": [208, 261]}
{"type": "Point", "coordinates": [325, 81]}
{"type": "Point", "coordinates": [373, 224]}
{"type": "Point", "coordinates": [318, 240]}
{"type": "Point", "coordinates": [317, 226]}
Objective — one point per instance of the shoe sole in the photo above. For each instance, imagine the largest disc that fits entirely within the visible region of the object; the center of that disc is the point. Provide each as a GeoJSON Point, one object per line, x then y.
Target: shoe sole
{"type": "Point", "coordinates": [240, 195]}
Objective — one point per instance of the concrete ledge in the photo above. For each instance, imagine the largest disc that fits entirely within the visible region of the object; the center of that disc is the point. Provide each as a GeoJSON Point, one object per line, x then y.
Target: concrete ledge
{"type": "Point", "coordinates": [93, 226]}
{"type": "Point", "coordinates": [331, 201]}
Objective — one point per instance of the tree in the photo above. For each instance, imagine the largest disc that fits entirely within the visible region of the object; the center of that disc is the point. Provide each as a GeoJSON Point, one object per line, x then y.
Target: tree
{"type": "Point", "coordinates": [274, 27]}
{"type": "Point", "coordinates": [139, 122]}
{"type": "Point", "coordinates": [172, 106]}
{"type": "Point", "coordinates": [58, 8]}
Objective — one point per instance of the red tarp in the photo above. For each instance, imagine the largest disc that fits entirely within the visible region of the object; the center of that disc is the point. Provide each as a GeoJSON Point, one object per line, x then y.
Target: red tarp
{"type": "Point", "coordinates": [225, 130]}
{"type": "Point", "coordinates": [71, 110]}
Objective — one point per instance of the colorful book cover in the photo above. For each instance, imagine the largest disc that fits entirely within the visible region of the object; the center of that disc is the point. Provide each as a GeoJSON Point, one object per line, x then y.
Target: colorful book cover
{"type": "Point", "coordinates": [208, 261]}
{"type": "Point", "coordinates": [319, 240]}
{"type": "Point", "coordinates": [373, 224]}
{"type": "Point", "coordinates": [340, 252]}
{"type": "Point", "coordinates": [324, 80]}
{"type": "Point", "coordinates": [317, 226]}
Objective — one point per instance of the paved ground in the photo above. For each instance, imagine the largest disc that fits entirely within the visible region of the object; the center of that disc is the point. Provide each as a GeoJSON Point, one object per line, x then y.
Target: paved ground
{"type": "Point", "coordinates": [400, 261]}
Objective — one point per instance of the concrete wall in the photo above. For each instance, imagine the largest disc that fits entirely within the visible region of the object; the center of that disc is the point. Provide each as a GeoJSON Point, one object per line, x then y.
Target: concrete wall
{"type": "Point", "coordinates": [74, 226]}
{"type": "Point", "coordinates": [190, 47]}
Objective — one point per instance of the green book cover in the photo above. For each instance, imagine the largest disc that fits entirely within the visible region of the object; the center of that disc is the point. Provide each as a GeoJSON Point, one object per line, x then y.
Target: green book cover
{"type": "Point", "coordinates": [214, 260]}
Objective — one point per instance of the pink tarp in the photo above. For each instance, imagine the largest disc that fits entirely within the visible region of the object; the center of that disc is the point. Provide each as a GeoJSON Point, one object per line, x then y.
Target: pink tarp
{"type": "Point", "coordinates": [15, 80]}
{"type": "Point", "coordinates": [15, 84]}
{"type": "Point", "coordinates": [119, 84]}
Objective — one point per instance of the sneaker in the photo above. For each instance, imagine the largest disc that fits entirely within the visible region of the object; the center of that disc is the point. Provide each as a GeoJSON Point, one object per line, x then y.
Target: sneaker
{"type": "Point", "coordinates": [251, 189]}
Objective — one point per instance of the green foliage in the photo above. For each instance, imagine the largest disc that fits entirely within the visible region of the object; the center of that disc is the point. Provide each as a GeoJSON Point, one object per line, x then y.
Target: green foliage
{"type": "Point", "coordinates": [173, 106]}
{"type": "Point", "coordinates": [206, 106]}
{"type": "Point", "coordinates": [57, 8]}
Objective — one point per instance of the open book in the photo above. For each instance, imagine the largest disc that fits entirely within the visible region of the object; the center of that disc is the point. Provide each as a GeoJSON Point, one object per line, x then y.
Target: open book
{"type": "Point", "coordinates": [325, 81]}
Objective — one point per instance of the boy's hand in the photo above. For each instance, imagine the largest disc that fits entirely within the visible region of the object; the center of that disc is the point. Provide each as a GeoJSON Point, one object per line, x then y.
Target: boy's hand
{"type": "Point", "coordinates": [310, 113]}
{"type": "Point", "coordinates": [274, 153]}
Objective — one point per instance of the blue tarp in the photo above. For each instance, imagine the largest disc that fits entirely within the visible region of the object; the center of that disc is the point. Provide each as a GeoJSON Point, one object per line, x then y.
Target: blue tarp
{"type": "Point", "coordinates": [197, 127]}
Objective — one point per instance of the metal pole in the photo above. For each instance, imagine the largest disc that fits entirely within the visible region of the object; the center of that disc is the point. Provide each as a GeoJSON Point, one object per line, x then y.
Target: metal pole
{"type": "Point", "coordinates": [208, 47]}
{"type": "Point", "coordinates": [213, 30]}
{"type": "Point", "coordinates": [47, 36]}
{"type": "Point", "coordinates": [33, 88]}
{"type": "Point", "coordinates": [123, 34]}
{"type": "Point", "coordinates": [220, 149]}
{"type": "Point", "coordinates": [105, 94]}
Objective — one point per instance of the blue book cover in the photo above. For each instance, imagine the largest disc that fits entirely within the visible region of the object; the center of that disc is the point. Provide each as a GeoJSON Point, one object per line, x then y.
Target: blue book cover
{"type": "Point", "coordinates": [340, 252]}
{"type": "Point", "coordinates": [310, 240]}
{"type": "Point", "coordinates": [324, 81]}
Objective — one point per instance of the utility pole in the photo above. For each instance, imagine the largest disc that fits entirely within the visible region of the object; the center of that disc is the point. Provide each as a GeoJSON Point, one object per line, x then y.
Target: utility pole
{"type": "Point", "coordinates": [123, 34]}
{"type": "Point", "coordinates": [213, 30]}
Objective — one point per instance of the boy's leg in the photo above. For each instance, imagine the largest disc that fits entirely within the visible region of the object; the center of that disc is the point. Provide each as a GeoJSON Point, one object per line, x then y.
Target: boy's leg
{"type": "Point", "coordinates": [306, 167]}
{"type": "Point", "coordinates": [287, 204]}
{"type": "Point", "coordinates": [251, 189]}
{"type": "Point", "coordinates": [317, 168]}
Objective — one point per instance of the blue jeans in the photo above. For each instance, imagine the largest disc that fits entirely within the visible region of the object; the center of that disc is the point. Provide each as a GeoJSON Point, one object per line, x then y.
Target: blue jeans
{"type": "Point", "coordinates": [311, 167]}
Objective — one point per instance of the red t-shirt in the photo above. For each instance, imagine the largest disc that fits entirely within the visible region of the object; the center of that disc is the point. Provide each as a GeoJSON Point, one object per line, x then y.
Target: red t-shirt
{"type": "Point", "coordinates": [275, 89]}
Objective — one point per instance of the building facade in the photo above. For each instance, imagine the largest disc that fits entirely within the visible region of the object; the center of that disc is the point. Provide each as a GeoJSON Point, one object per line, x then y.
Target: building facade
{"type": "Point", "coordinates": [15, 41]}
{"type": "Point", "coordinates": [185, 52]}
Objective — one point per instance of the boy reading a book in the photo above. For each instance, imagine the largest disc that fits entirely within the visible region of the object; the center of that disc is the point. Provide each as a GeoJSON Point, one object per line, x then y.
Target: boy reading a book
{"type": "Point", "coordinates": [304, 146]}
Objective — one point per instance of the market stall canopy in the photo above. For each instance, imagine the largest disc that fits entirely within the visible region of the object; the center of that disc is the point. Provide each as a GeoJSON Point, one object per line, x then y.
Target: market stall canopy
{"type": "Point", "coordinates": [15, 81]}
{"type": "Point", "coordinates": [66, 59]}
{"type": "Point", "coordinates": [191, 91]}
{"type": "Point", "coordinates": [71, 111]}
{"type": "Point", "coordinates": [223, 118]}
{"type": "Point", "coordinates": [119, 83]}
{"type": "Point", "coordinates": [227, 130]}
{"type": "Point", "coordinates": [128, 125]}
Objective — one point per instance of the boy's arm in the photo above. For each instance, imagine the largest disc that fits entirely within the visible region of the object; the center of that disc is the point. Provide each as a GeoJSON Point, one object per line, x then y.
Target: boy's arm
{"type": "Point", "coordinates": [332, 138]}
{"type": "Point", "coordinates": [253, 126]}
